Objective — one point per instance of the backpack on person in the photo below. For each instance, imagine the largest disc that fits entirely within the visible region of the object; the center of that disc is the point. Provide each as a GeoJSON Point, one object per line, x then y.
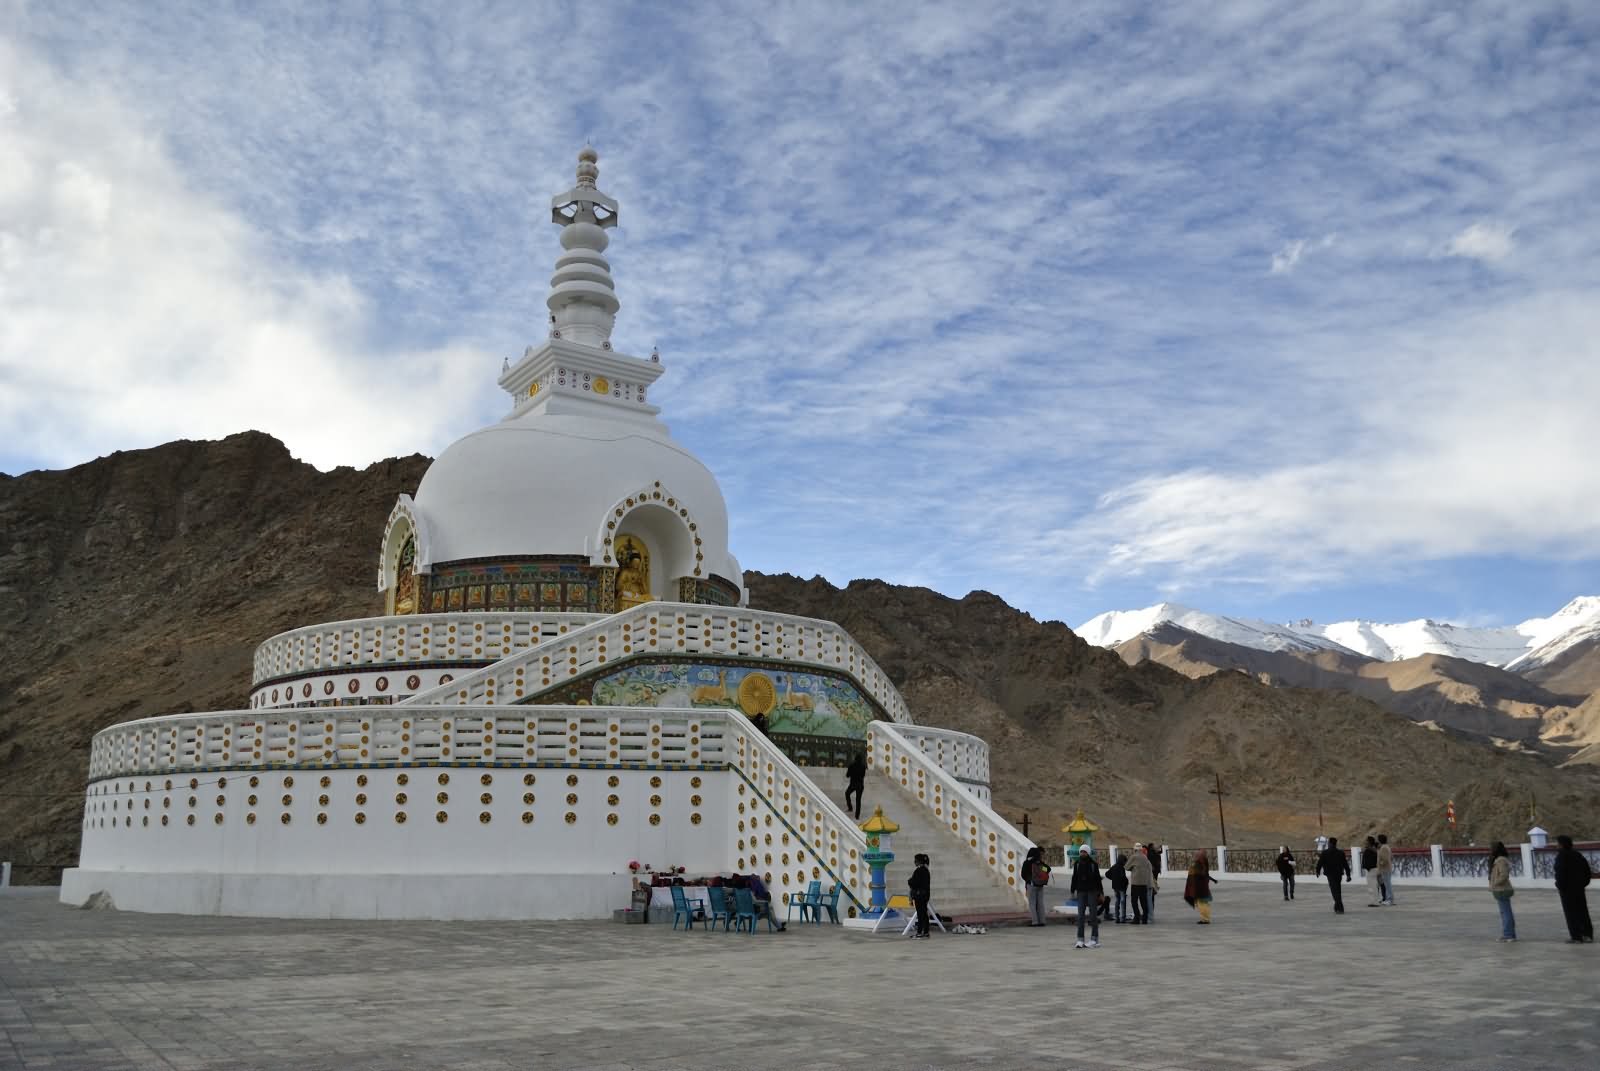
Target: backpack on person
{"type": "Point", "coordinates": [1041, 874]}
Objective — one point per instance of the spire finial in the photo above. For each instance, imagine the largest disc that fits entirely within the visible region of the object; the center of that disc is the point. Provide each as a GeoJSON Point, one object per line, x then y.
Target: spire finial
{"type": "Point", "coordinates": [583, 301]}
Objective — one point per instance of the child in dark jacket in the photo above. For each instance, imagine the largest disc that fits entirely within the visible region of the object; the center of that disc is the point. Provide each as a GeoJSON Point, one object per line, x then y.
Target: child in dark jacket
{"type": "Point", "coordinates": [919, 884]}
{"type": "Point", "coordinates": [1117, 873]}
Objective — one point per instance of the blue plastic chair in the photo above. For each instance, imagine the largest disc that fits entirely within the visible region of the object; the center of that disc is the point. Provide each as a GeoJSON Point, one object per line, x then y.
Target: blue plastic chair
{"type": "Point", "coordinates": [806, 902]}
{"type": "Point", "coordinates": [682, 909]}
{"type": "Point", "coordinates": [830, 904]}
{"type": "Point", "coordinates": [744, 909]}
{"type": "Point", "coordinates": [717, 908]}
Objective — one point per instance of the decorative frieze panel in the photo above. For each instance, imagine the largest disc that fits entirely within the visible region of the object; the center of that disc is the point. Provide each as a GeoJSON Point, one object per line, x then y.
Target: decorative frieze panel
{"type": "Point", "coordinates": [554, 584]}
{"type": "Point", "coordinates": [811, 713]}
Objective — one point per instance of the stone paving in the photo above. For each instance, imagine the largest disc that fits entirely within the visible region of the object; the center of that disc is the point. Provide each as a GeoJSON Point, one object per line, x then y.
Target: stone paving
{"type": "Point", "coordinates": [1269, 985]}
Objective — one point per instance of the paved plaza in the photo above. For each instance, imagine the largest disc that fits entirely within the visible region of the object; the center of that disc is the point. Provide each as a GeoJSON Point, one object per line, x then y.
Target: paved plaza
{"type": "Point", "coordinates": [1269, 985]}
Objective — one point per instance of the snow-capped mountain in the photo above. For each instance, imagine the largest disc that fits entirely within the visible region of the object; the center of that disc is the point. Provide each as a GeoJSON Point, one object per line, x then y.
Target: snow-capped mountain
{"type": "Point", "coordinates": [1116, 626]}
{"type": "Point", "coordinates": [1531, 643]}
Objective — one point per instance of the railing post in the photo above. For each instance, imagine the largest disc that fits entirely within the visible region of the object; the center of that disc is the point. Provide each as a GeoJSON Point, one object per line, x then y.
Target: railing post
{"type": "Point", "coordinates": [1437, 855]}
{"type": "Point", "coordinates": [1222, 859]}
{"type": "Point", "coordinates": [5, 875]}
{"type": "Point", "coordinates": [1527, 860]}
{"type": "Point", "coordinates": [1166, 865]}
{"type": "Point", "coordinates": [1112, 857]}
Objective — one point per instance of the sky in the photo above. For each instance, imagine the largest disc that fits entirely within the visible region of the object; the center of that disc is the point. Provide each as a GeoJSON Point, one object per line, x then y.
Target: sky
{"type": "Point", "coordinates": [1279, 310]}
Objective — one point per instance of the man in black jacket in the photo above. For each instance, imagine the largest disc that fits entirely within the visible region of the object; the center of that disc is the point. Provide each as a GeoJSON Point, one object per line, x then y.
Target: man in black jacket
{"type": "Point", "coordinates": [855, 776]}
{"type": "Point", "coordinates": [1333, 865]}
{"type": "Point", "coordinates": [1087, 891]}
{"type": "Point", "coordinates": [1369, 866]}
{"type": "Point", "coordinates": [919, 885]}
{"type": "Point", "coordinates": [1573, 875]}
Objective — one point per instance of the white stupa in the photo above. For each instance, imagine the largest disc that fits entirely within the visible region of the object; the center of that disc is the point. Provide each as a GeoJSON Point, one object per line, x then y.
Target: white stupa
{"type": "Point", "coordinates": [561, 686]}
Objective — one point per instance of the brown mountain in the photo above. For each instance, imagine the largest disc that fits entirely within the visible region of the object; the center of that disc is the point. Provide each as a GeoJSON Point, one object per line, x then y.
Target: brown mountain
{"type": "Point", "coordinates": [1453, 692]}
{"type": "Point", "coordinates": [140, 583]}
{"type": "Point", "coordinates": [1575, 671]}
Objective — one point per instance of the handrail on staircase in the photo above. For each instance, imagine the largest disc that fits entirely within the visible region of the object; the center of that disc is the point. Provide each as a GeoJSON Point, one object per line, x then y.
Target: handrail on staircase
{"type": "Point", "coordinates": [745, 753]}
{"type": "Point", "coordinates": [994, 840]}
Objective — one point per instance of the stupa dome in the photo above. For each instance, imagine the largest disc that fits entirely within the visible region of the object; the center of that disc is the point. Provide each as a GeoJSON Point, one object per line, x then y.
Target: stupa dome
{"type": "Point", "coordinates": [545, 485]}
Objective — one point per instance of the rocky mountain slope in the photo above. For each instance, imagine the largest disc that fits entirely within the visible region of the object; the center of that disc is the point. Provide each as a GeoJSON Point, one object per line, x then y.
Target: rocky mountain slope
{"type": "Point", "coordinates": [140, 583]}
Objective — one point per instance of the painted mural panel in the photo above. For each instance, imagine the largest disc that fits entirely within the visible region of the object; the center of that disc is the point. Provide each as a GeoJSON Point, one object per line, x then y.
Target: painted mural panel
{"type": "Point", "coordinates": [802, 702]}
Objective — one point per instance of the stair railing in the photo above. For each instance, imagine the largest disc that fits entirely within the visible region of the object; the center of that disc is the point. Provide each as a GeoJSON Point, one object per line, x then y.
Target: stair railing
{"type": "Point", "coordinates": [798, 807]}
{"type": "Point", "coordinates": [998, 844]}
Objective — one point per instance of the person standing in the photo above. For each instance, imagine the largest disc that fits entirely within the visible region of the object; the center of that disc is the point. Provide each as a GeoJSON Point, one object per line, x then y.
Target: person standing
{"type": "Point", "coordinates": [1035, 878]}
{"type": "Point", "coordinates": [1117, 874]}
{"type": "Point", "coordinates": [1573, 875]}
{"type": "Point", "coordinates": [1197, 889]}
{"type": "Point", "coordinates": [1286, 870]}
{"type": "Point", "coordinates": [1333, 865]}
{"type": "Point", "coordinates": [855, 778]}
{"type": "Point", "coordinates": [1139, 881]}
{"type": "Point", "coordinates": [1086, 891]}
{"type": "Point", "coordinates": [1152, 852]}
{"type": "Point", "coordinates": [1385, 871]}
{"type": "Point", "coordinates": [920, 885]}
{"type": "Point", "coordinates": [1500, 886]}
{"type": "Point", "coordinates": [1369, 870]}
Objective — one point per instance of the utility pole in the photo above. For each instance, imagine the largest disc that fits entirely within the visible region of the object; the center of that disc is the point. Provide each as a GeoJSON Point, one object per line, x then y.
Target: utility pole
{"type": "Point", "coordinates": [1024, 823]}
{"type": "Point", "coordinates": [1217, 792]}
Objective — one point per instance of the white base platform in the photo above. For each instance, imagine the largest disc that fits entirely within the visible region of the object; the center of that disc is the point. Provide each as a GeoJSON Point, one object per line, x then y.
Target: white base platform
{"type": "Point", "coordinates": [355, 896]}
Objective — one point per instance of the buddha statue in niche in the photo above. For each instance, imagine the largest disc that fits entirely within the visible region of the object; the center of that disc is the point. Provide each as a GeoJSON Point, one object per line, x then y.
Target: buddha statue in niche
{"type": "Point", "coordinates": [405, 578]}
{"type": "Point", "coordinates": [633, 572]}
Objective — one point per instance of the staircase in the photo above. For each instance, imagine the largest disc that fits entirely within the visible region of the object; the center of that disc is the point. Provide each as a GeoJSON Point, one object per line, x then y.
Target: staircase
{"type": "Point", "coordinates": [962, 886]}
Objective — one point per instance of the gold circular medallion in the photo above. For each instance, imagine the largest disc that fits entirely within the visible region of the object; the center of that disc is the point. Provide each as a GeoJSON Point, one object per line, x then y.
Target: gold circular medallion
{"type": "Point", "coordinates": [757, 695]}
{"type": "Point", "coordinates": [602, 385]}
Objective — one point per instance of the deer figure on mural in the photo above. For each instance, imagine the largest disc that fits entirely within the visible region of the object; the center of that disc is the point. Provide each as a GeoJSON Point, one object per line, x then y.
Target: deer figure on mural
{"type": "Point", "coordinates": [707, 694]}
{"type": "Point", "coordinates": [793, 700]}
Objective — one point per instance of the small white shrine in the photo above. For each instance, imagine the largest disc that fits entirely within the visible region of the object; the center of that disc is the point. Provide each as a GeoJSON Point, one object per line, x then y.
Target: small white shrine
{"type": "Point", "coordinates": [563, 683]}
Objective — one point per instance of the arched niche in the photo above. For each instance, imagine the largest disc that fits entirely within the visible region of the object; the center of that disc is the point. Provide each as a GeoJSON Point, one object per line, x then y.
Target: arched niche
{"type": "Point", "coordinates": [403, 559]}
{"type": "Point", "coordinates": [650, 543]}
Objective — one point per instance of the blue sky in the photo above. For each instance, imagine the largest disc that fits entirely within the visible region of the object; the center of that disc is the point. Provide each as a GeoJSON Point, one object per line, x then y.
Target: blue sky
{"type": "Point", "coordinates": [1280, 310]}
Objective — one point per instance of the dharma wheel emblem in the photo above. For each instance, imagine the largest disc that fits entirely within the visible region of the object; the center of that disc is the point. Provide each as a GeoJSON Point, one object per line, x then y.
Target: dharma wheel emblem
{"type": "Point", "coordinates": [757, 694]}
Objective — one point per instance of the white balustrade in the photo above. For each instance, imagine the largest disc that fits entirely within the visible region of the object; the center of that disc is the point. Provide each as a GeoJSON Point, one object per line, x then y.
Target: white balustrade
{"type": "Point", "coordinates": [961, 755]}
{"type": "Point", "coordinates": [408, 638]}
{"type": "Point", "coordinates": [677, 629]}
{"type": "Point", "coordinates": [995, 841]}
{"type": "Point", "coordinates": [387, 735]}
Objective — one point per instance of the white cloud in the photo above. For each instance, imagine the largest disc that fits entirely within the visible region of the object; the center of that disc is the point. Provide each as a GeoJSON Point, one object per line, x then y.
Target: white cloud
{"type": "Point", "coordinates": [1285, 259]}
{"type": "Point", "coordinates": [1488, 242]}
{"type": "Point", "coordinates": [1478, 441]}
{"type": "Point", "coordinates": [139, 310]}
